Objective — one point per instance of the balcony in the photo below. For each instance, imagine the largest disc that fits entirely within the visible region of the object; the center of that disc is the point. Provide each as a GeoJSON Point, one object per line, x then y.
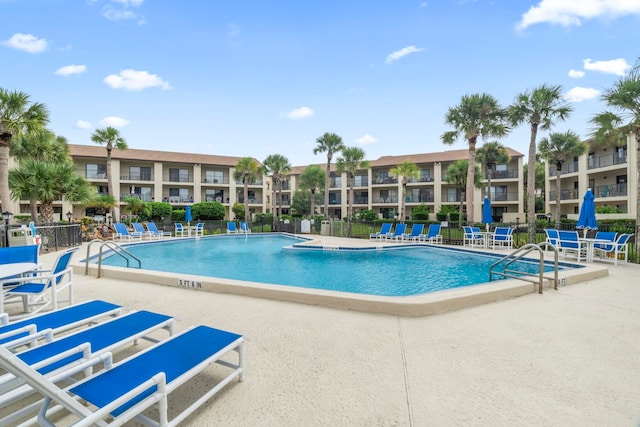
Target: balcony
{"type": "Point", "coordinates": [617, 190]}
{"type": "Point", "coordinates": [143, 197]}
{"type": "Point", "coordinates": [335, 183]}
{"type": "Point", "coordinates": [428, 198]}
{"type": "Point", "coordinates": [509, 196]}
{"type": "Point", "coordinates": [173, 178]}
{"type": "Point", "coordinates": [361, 200]}
{"type": "Point", "coordinates": [385, 180]}
{"type": "Point", "coordinates": [386, 200]}
{"type": "Point", "coordinates": [223, 180]}
{"type": "Point", "coordinates": [502, 174]}
{"type": "Point", "coordinates": [337, 201]}
{"type": "Point", "coordinates": [252, 200]}
{"type": "Point", "coordinates": [254, 183]}
{"type": "Point", "coordinates": [566, 168]}
{"type": "Point", "coordinates": [607, 160]}
{"type": "Point", "coordinates": [178, 199]}
{"type": "Point", "coordinates": [564, 195]}
{"type": "Point", "coordinates": [96, 176]}
{"type": "Point", "coordinates": [143, 177]}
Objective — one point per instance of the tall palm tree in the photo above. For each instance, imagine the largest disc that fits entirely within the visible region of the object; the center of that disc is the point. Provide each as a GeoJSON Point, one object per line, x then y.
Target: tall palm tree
{"type": "Point", "coordinates": [329, 143]}
{"type": "Point", "coordinates": [408, 171]}
{"type": "Point", "coordinates": [247, 170]}
{"type": "Point", "coordinates": [18, 117]}
{"type": "Point", "coordinates": [277, 166]}
{"type": "Point", "coordinates": [556, 149]}
{"type": "Point", "coordinates": [351, 161]}
{"type": "Point", "coordinates": [540, 107]}
{"type": "Point", "coordinates": [613, 127]}
{"type": "Point", "coordinates": [312, 178]}
{"type": "Point", "coordinates": [111, 138]}
{"type": "Point", "coordinates": [477, 115]}
{"type": "Point", "coordinates": [136, 206]}
{"type": "Point", "coordinates": [457, 174]}
{"type": "Point", "coordinates": [49, 182]}
{"type": "Point", "coordinates": [45, 147]}
{"type": "Point", "coordinates": [492, 154]}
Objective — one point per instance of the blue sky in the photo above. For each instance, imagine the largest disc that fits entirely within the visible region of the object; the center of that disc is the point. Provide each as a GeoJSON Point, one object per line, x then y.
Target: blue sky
{"type": "Point", "coordinates": [253, 78]}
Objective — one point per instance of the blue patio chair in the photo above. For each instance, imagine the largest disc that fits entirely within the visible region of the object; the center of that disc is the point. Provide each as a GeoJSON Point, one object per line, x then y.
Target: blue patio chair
{"type": "Point", "coordinates": [552, 236]}
{"type": "Point", "coordinates": [138, 228]}
{"type": "Point", "coordinates": [611, 252]}
{"type": "Point", "coordinates": [244, 227]}
{"type": "Point", "coordinates": [13, 334]}
{"type": "Point", "coordinates": [199, 230]}
{"type": "Point", "coordinates": [398, 233]}
{"type": "Point", "coordinates": [123, 234]}
{"type": "Point", "coordinates": [433, 234]}
{"type": "Point", "coordinates": [472, 237]}
{"type": "Point", "coordinates": [231, 228]}
{"type": "Point", "coordinates": [33, 288]}
{"type": "Point", "coordinates": [140, 382]}
{"type": "Point", "coordinates": [153, 229]}
{"type": "Point", "coordinates": [503, 237]}
{"type": "Point", "coordinates": [416, 232]}
{"type": "Point", "coordinates": [384, 230]}
{"type": "Point", "coordinates": [569, 243]}
{"type": "Point", "coordinates": [180, 231]}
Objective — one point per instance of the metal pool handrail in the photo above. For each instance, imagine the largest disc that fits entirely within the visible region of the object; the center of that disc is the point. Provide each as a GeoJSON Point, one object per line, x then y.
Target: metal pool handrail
{"type": "Point", "coordinates": [517, 255]}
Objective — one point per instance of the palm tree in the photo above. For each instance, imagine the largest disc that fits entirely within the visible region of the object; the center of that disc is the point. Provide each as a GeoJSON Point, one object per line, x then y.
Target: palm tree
{"type": "Point", "coordinates": [111, 138]}
{"type": "Point", "coordinates": [18, 117]}
{"type": "Point", "coordinates": [103, 202]}
{"type": "Point", "coordinates": [407, 171]}
{"type": "Point", "coordinates": [45, 147]}
{"type": "Point", "coordinates": [477, 115]}
{"type": "Point", "coordinates": [352, 160]}
{"type": "Point", "coordinates": [556, 149]}
{"type": "Point", "coordinates": [49, 182]}
{"type": "Point", "coordinates": [492, 154]}
{"type": "Point", "coordinates": [136, 206]}
{"type": "Point", "coordinates": [329, 143]}
{"type": "Point", "coordinates": [312, 178]}
{"type": "Point", "coordinates": [540, 108]}
{"type": "Point", "coordinates": [457, 174]}
{"type": "Point", "coordinates": [613, 127]}
{"type": "Point", "coordinates": [277, 166]}
{"type": "Point", "coordinates": [246, 171]}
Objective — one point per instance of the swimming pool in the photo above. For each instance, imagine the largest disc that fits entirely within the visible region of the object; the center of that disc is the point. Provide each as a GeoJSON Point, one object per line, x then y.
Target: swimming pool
{"type": "Point", "coordinates": [271, 259]}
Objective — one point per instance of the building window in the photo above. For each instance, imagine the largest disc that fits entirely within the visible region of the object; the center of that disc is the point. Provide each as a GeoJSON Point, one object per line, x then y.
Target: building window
{"type": "Point", "coordinates": [96, 171]}
{"type": "Point", "coordinates": [140, 173]}
{"type": "Point", "coordinates": [214, 177]}
{"type": "Point", "coordinates": [178, 175]}
{"type": "Point", "coordinates": [215, 195]}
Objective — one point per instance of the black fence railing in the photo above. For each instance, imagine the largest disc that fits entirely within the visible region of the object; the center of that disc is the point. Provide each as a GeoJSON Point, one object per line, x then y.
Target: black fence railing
{"type": "Point", "coordinates": [51, 237]}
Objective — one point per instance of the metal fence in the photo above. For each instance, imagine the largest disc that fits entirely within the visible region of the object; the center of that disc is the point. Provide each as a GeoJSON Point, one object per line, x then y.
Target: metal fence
{"type": "Point", "coordinates": [52, 237]}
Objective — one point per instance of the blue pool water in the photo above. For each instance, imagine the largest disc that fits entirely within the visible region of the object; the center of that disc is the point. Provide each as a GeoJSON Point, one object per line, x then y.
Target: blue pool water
{"type": "Point", "coordinates": [264, 259]}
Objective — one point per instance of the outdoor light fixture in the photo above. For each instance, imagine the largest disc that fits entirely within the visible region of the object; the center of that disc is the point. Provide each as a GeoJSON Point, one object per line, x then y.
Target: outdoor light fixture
{"type": "Point", "coordinates": [7, 217]}
{"type": "Point", "coordinates": [69, 215]}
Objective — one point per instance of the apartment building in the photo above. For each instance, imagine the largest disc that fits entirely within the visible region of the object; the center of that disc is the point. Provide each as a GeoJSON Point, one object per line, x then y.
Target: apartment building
{"type": "Point", "coordinates": [609, 171]}
{"type": "Point", "coordinates": [377, 189]}
{"type": "Point", "coordinates": [185, 178]}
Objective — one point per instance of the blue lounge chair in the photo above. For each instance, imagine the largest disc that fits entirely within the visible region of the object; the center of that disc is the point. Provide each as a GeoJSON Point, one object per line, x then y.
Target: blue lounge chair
{"type": "Point", "coordinates": [199, 230]}
{"type": "Point", "coordinates": [180, 231]}
{"type": "Point", "coordinates": [123, 234]}
{"type": "Point", "coordinates": [139, 229]}
{"type": "Point", "coordinates": [140, 382]}
{"type": "Point", "coordinates": [69, 351]}
{"type": "Point", "coordinates": [502, 236]}
{"type": "Point", "coordinates": [33, 288]}
{"type": "Point", "coordinates": [13, 334]}
{"type": "Point", "coordinates": [153, 230]}
{"type": "Point", "coordinates": [231, 228]}
{"type": "Point", "coordinates": [244, 227]}
{"type": "Point", "coordinates": [552, 236]}
{"type": "Point", "coordinates": [416, 232]}
{"type": "Point", "coordinates": [433, 234]}
{"type": "Point", "coordinates": [472, 237]}
{"type": "Point", "coordinates": [611, 252]}
{"type": "Point", "coordinates": [384, 230]}
{"type": "Point", "coordinates": [569, 243]}
{"type": "Point", "coordinates": [398, 233]}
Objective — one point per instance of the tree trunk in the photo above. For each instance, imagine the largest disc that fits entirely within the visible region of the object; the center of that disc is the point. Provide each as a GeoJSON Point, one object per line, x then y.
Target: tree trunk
{"type": "Point", "coordinates": [326, 187]}
{"type": "Point", "coordinates": [114, 213]}
{"type": "Point", "coordinates": [350, 207]}
{"type": "Point", "coordinates": [313, 203]}
{"type": "Point", "coordinates": [5, 195]}
{"type": "Point", "coordinates": [274, 201]}
{"type": "Point", "coordinates": [471, 172]}
{"type": "Point", "coordinates": [403, 201]}
{"type": "Point", "coordinates": [531, 185]}
{"type": "Point", "coordinates": [558, 189]}
{"type": "Point", "coordinates": [489, 171]}
{"type": "Point", "coordinates": [637, 183]}
{"type": "Point", "coordinates": [33, 209]}
{"type": "Point", "coordinates": [246, 199]}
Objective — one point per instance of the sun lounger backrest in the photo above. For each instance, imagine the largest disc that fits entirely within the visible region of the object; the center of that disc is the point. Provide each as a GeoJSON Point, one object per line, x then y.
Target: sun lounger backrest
{"type": "Point", "coordinates": [434, 230]}
{"type": "Point", "coordinates": [568, 239]}
{"type": "Point", "coordinates": [16, 254]}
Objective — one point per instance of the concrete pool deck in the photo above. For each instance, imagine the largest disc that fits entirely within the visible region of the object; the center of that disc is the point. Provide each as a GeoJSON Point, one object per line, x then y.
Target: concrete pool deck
{"type": "Point", "coordinates": [564, 358]}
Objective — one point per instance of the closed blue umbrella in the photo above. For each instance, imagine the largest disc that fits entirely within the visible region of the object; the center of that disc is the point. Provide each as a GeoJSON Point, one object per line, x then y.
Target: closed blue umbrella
{"type": "Point", "coordinates": [587, 219]}
{"type": "Point", "coordinates": [486, 211]}
{"type": "Point", "coordinates": [187, 215]}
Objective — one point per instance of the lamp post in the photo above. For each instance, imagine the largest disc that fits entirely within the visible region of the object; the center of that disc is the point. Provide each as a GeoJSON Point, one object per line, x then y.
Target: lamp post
{"type": "Point", "coordinates": [69, 215]}
{"type": "Point", "coordinates": [6, 215]}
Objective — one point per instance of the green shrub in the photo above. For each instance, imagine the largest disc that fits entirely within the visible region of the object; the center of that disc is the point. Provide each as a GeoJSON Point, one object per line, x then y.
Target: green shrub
{"type": "Point", "coordinates": [208, 210]}
{"type": "Point", "coordinates": [367, 215]}
{"type": "Point", "coordinates": [421, 213]}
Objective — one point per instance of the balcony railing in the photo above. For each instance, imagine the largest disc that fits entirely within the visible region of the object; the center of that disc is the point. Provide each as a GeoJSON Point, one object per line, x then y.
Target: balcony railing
{"type": "Point", "coordinates": [385, 200]}
{"type": "Point", "coordinates": [361, 200]}
{"type": "Point", "coordinates": [564, 195]}
{"type": "Point", "coordinates": [223, 180]}
{"type": "Point", "coordinates": [335, 201]}
{"type": "Point", "coordinates": [422, 199]}
{"type": "Point", "coordinates": [616, 190]}
{"type": "Point", "coordinates": [143, 197]}
{"type": "Point", "coordinates": [96, 176]}
{"type": "Point", "coordinates": [421, 179]}
{"type": "Point", "coordinates": [448, 198]}
{"type": "Point", "coordinates": [252, 200]}
{"type": "Point", "coordinates": [178, 199]}
{"type": "Point", "coordinates": [509, 196]}
{"type": "Point", "coordinates": [607, 160]}
{"type": "Point", "coordinates": [254, 183]}
{"type": "Point", "coordinates": [143, 177]}
{"type": "Point", "coordinates": [566, 168]}
{"type": "Point", "coordinates": [169, 178]}
{"type": "Point", "coordinates": [387, 180]}
{"type": "Point", "coordinates": [502, 174]}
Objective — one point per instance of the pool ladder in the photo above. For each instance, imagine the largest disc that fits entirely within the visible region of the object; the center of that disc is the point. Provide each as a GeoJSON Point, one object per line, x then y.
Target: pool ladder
{"type": "Point", "coordinates": [116, 248]}
{"type": "Point", "coordinates": [517, 255]}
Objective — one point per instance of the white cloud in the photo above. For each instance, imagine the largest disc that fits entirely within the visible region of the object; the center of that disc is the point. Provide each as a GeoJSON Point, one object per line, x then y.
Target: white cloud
{"type": "Point", "coordinates": [26, 42]}
{"type": "Point", "coordinates": [614, 66]}
{"type": "Point", "coordinates": [116, 122]}
{"type": "Point", "coordinates": [123, 11]}
{"type": "Point", "coordinates": [366, 139]}
{"type": "Point", "coordinates": [579, 94]}
{"type": "Point", "coordinates": [571, 12]}
{"type": "Point", "coordinates": [298, 113]}
{"type": "Point", "coordinates": [67, 70]}
{"type": "Point", "coordinates": [81, 124]}
{"type": "Point", "coordinates": [135, 80]}
{"type": "Point", "coordinates": [118, 15]}
{"type": "Point", "coordinates": [233, 30]}
{"type": "Point", "coordinates": [129, 3]}
{"type": "Point", "coordinates": [576, 74]}
{"type": "Point", "coordinates": [402, 52]}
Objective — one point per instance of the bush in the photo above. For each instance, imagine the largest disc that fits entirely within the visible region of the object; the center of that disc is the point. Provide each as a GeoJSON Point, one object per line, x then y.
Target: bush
{"type": "Point", "coordinates": [421, 213]}
{"type": "Point", "coordinates": [238, 211]}
{"type": "Point", "coordinates": [208, 210]}
{"type": "Point", "coordinates": [160, 210]}
{"type": "Point", "coordinates": [367, 215]}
